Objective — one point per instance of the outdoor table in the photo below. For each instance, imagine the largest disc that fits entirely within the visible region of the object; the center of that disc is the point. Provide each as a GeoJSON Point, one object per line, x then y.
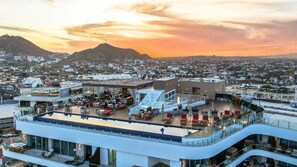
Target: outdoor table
{"type": "Point", "coordinates": [101, 111]}
{"type": "Point", "coordinates": [18, 145]}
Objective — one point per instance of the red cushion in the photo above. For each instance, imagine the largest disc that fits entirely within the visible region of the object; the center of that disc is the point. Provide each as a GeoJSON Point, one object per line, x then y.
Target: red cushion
{"type": "Point", "coordinates": [195, 117]}
{"type": "Point", "coordinates": [205, 117]}
{"type": "Point", "coordinates": [227, 112]}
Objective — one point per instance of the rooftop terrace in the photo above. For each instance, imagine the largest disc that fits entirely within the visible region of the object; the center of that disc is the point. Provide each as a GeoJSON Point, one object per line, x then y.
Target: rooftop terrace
{"type": "Point", "coordinates": [154, 128]}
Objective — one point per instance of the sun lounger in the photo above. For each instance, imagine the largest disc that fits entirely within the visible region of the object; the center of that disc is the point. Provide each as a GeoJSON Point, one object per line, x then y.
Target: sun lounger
{"type": "Point", "coordinates": [183, 119]}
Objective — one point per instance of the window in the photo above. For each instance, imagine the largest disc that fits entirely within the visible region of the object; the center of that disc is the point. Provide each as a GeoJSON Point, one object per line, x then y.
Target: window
{"type": "Point", "coordinates": [57, 146]}
{"type": "Point", "coordinates": [45, 144]}
{"type": "Point", "coordinates": [72, 146]}
{"type": "Point", "coordinates": [37, 142]}
{"type": "Point", "coordinates": [64, 147]}
{"type": "Point", "coordinates": [111, 157]}
{"type": "Point", "coordinates": [31, 141]}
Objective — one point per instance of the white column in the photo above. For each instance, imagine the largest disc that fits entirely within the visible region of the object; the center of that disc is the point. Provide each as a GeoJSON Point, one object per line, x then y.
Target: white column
{"type": "Point", "coordinates": [175, 163]}
{"type": "Point", "coordinates": [93, 150]}
{"type": "Point", "coordinates": [80, 150]}
{"type": "Point", "coordinates": [32, 103]}
{"type": "Point", "coordinates": [50, 144]}
{"type": "Point", "coordinates": [104, 156]}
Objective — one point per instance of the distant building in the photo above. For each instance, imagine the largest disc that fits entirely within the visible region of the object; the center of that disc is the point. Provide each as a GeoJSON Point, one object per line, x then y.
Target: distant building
{"type": "Point", "coordinates": [206, 87]}
{"type": "Point", "coordinates": [32, 82]}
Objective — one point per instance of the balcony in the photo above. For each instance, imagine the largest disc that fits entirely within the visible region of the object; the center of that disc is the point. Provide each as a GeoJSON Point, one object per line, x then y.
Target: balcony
{"type": "Point", "coordinates": [289, 156]}
{"type": "Point", "coordinates": [14, 148]}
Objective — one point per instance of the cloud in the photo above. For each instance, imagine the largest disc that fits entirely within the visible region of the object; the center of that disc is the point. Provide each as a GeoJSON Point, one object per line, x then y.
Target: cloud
{"type": "Point", "coordinates": [151, 9]}
{"type": "Point", "coordinates": [176, 35]}
{"type": "Point", "coordinates": [20, 29]}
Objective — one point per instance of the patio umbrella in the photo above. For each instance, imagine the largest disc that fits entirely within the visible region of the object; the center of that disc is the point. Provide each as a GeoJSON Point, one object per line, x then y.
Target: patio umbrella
{"type": "Point", "coordinates": [190, 113]}
{"type": "Point", "coordinates": [231, 107]}
{"type": "Point", "coordinates": [190, 109]}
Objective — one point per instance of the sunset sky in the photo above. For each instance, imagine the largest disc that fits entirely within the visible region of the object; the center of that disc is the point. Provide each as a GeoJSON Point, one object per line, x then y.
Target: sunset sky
{"type": "Point", "coordinates": [158, 28]}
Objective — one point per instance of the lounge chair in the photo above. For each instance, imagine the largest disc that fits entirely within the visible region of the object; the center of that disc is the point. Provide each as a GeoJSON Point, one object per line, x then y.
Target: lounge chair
{"type": "Point", "coordinates": [110, 107]}
{"type": "Point", "coordinates": [137, 116]}
{"type": "Point", "coordinates": [81, 159]}
{"type": "Point", "coordinates": [169, 118]}
{"type": "Point", "coordinates": [195, 120]}
{"type": "Point", "coordinates": [227, 114]}
{"type": "Point", "coordinates": [121, 106]}
{"type": "Point", "coordinates": [204, 121]}
{"type": "Point", "coordinates": [183, 119]}
{"type": "Point", "coordinates": [148, 116]}
{"type": "Point", "coordinates": [49, 154]}
{"type": "Point", "coordinates": [237, 113]}
{"type": "Point", "coordinates": [216, 119]}
{"type": "Point", "coordinates": [106, 112]}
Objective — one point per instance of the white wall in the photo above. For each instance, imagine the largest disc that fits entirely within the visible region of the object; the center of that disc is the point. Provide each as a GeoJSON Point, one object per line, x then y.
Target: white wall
{"type": "Point", "coordinates": [32, 103]}
{"type": "Point", "coordinates": [152, 148]}
{"type": "Point", "coordinates": [175, 164]}
{"type": "Point", "coordinates": [80, 150]}
{"type": "Point", "coordinates": [127, 159]}
{"type": "Point", "coordinates": [104, 156]}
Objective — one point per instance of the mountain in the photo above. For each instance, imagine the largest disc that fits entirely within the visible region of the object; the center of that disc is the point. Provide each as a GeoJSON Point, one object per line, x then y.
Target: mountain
{"type": "Point", "coordinates": [19, 46]}
{"type": "Point", "coordinates": [284, 56]}
{"type": "Point", "coordinates": [106, 53]}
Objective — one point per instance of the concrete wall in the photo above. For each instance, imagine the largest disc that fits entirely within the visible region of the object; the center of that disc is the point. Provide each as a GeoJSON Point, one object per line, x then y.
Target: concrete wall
{"type": "Point", "coordinates": [208, 89]}
{"type": "Point", "coordinates": [166, 85]}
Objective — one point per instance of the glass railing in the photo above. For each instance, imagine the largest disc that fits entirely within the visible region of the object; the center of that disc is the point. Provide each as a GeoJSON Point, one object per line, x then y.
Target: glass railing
{"type": "Point", "coordinates": [210, 134]}
{"type": "Point", "coordinates": [280, 123]}
{"type": "Point", "coordinates": [224, 129]}
{"type": "Point", "coordinates": [16, 145]}
{"type": "Point", "coordinates": [215, 133]}
{"type": "Point", "coordinates": [286, 152]}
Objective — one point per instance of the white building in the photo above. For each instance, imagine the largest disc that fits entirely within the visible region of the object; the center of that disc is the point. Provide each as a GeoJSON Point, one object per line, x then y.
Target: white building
{"type": "Point", "coordinates": [32, 82]}
{"type": "Point", "coordinates": [55, 138]}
